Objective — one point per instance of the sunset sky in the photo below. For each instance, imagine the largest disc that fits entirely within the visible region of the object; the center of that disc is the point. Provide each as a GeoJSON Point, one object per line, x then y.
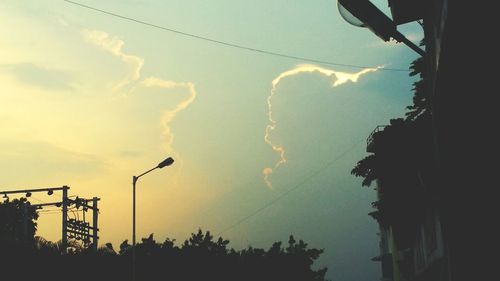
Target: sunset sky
{"type": "Point", "coordinates": [89, 100]}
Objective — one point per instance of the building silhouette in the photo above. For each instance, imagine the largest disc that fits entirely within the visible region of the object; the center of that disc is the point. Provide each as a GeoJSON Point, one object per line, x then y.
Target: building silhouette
{"type": "Point", "coordinates": [457, 199]}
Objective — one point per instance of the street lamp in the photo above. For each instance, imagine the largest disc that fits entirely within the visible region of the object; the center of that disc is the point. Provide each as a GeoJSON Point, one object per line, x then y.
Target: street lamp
{"type": "Point", "coordinates": [164, 163]}
{"type": "Point", "coordinates": [363, 13]}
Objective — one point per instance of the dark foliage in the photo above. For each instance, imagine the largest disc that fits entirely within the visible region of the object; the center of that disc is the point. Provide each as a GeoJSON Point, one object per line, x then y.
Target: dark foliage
{"type": "Point", "coordinates": [17, 222]}
{"type": "Point", "coordinates": [421, 101]}
{"type": "Point", "coordinates": [199, 258]}
{"type": "Point", "coordinates": [401, 164]}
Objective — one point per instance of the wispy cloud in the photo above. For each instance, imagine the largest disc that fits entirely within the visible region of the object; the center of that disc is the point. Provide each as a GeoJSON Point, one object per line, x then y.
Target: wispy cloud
{"type": "Point", "coordinates": [34, 75]}
{"type": "Point", "coordinates": [170, 114]}
{"type": "Point", "coordinates": [114, 46]}
{"type": "Point", "coordinates": [337, 78]}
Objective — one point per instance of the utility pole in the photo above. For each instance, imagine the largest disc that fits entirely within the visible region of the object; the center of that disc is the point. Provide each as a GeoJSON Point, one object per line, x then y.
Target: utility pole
{"type": "Point", "coordinates": [81, 229]}
{"type": "Point", "coordinates": [95, 212]}
{"type": "Point", "coordinates": [64, 219]}
{"type": "Point", "coordinates": [71, 228]}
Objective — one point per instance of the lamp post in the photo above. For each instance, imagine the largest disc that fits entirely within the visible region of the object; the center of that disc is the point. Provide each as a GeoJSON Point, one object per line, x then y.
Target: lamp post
{"type": "Point", "coordinates": [363, 13]}
{"type": "Point", "coordinates": [164, 163]}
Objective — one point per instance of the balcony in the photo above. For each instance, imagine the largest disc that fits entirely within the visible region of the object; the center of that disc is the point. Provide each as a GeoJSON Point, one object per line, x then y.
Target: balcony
{"type": "Point", "coordinates": [370, 141]}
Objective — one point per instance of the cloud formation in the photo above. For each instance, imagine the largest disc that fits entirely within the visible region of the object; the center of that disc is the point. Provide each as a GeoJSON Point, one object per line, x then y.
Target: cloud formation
{"type": "Point", "coordinates": [337, 77]}
{"type": "Point", "coordinates": [168, 115]}
{"type": "Point", "coordinates": [114, 46]}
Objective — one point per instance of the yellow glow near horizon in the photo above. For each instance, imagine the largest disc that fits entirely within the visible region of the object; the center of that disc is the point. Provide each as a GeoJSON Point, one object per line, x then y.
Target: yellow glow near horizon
{"type": "Point", "coordinates": [79, 131]}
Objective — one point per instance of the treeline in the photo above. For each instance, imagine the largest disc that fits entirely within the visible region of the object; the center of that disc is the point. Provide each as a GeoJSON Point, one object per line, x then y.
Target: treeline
{"type": "Point", "coordinates": [200, 257]}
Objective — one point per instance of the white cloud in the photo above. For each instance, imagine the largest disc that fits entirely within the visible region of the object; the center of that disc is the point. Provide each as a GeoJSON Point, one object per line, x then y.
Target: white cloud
{"type": "Point", "coordinates": [338, 78]}
{"type": "Point", "coordinates": [169, 115]}
{"type": "Point", "coordinates": [114, 46]}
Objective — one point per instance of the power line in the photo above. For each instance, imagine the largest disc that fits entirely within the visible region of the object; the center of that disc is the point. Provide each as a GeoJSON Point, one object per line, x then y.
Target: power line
{"type": "Point", "coordinates": [296, 187]}
{"type": "Point", "coordinates": [36, 199]}
{"type": "Point", "coordinates": [225, 43]}
{"type": "Point", "coordinates": [45, 212]}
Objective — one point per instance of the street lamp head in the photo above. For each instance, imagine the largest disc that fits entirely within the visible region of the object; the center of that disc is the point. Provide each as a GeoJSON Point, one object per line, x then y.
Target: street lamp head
{"type": "Point", "coordinates": [348, 16]}
{"type": "Point", "coordinates": [166, 162]}
{"type": "Point", "coordinates": [363, 13]}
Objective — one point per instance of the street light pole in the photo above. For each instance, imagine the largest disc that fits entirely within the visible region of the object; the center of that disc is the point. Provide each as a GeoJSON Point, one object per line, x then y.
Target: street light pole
{"type": "Point", "coordinates": [164, 163]}
{"type": "Point", "coordinates": [134, 180]}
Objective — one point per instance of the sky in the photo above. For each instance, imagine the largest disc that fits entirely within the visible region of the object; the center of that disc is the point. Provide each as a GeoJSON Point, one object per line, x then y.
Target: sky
{"type": "Point", "coordinates": [263, 145]}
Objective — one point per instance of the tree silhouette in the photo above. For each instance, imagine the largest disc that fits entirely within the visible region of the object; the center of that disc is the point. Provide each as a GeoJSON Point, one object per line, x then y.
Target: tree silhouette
{"type": "Point", "coordinates": [201, 256]}
{"type": "Point", "coordinates": [402, 164]}
{"type": "Point", "coordinates": [421, 102]}
{"type": "Point", "coordinates": [406, 138]}
{"type": "Point", "coordinates": [17, 222]}
{"type": "Point", "coordinates": [402, 161]}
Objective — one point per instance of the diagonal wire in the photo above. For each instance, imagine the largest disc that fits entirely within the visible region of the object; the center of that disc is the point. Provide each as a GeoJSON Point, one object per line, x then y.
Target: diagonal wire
{"type": "Point", "coordinates": [288, 192]}
{"type": "Point", "coordinates": [228, 44]}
